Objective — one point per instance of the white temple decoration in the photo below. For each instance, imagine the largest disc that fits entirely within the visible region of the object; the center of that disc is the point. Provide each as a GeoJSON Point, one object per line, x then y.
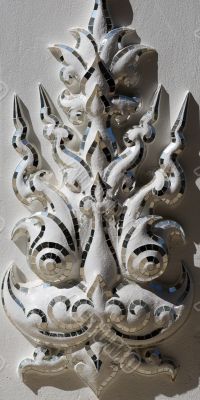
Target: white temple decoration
{"type": "Point", "coordinates": [102, 300]}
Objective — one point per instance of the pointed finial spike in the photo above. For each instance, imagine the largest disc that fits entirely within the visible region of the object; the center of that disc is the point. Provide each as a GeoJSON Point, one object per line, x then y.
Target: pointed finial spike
{"type": "Point", "coordinates": [100, 22]}
{"type": "Point", "coordinates": [47, 114]}
{"type": "Point", "coordinates": [14, 106]}
{"type": "Point", "coordinates": [17, 112]}
{"type": "Point", "coordinates": [182, 116]}
{"type": "Point", "coordinates": [43, 97]}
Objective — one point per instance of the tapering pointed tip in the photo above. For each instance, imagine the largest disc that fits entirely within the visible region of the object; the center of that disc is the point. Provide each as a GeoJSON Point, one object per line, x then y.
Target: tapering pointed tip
{"type": "Point", "coordinates": [43, 97]}
{"type": "Point", "coordinates": [41, 91]}
{"type": "Point", "coordinates": [56, 52]}
{"type": "Point", "coordinates": [16, 107]}
{"type": "Point", "coordinates": [181, 120]}
{"type": "Point", "coordinates": [15, 99]}
{"type": "Point", "coordinates": [40, 87]}
{"type": "Point", "coordinates": [47, 110]}
{"type": "Point", "coordinates": [100, 10]}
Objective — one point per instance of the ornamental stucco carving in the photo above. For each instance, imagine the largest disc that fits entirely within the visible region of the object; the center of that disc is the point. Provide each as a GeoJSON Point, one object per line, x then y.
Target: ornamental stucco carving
{"type": "Point", "coordinates": [102, 296]}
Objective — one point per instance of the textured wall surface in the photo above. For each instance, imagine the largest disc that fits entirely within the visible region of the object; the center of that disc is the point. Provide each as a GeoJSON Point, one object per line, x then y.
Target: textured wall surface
{"type": "Point", "coordinates": [172, 27]}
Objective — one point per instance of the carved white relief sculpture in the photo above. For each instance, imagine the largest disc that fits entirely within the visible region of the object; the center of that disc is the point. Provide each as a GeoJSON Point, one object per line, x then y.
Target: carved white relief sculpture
{"type": "Point", "coordinates": [102, 299]}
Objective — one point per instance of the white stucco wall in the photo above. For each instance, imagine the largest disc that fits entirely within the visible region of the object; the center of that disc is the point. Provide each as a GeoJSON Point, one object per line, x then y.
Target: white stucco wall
{"type": "Point", "coordinates": [172, 27]}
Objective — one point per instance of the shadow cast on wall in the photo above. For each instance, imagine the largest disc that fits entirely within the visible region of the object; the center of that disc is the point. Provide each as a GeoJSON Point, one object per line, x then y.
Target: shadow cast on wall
{"type": "Point", "coordinates": [125, 17]}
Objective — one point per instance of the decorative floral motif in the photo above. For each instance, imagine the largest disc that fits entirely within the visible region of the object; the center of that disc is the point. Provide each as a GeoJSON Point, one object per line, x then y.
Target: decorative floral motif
{"type": "Point", "coordinates": [101, 300]}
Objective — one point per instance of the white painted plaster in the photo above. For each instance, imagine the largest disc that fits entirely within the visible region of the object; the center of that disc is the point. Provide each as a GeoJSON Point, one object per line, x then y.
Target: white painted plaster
{"type": "Point", "coordinates": [27, 27]}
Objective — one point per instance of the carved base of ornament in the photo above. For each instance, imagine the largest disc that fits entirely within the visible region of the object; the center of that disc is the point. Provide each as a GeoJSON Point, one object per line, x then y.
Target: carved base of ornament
{"type": "Point", "coordinates": [97, 365]}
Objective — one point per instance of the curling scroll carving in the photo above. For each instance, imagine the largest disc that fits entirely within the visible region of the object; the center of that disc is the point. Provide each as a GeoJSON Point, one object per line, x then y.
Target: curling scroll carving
{"type": "Point", "coordinates": [101, 301]}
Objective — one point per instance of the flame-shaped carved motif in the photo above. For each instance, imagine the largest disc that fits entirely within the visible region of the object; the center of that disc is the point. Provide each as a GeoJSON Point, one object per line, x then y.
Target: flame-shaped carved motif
{"type": "Point", "coordinates": [101, 300]}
